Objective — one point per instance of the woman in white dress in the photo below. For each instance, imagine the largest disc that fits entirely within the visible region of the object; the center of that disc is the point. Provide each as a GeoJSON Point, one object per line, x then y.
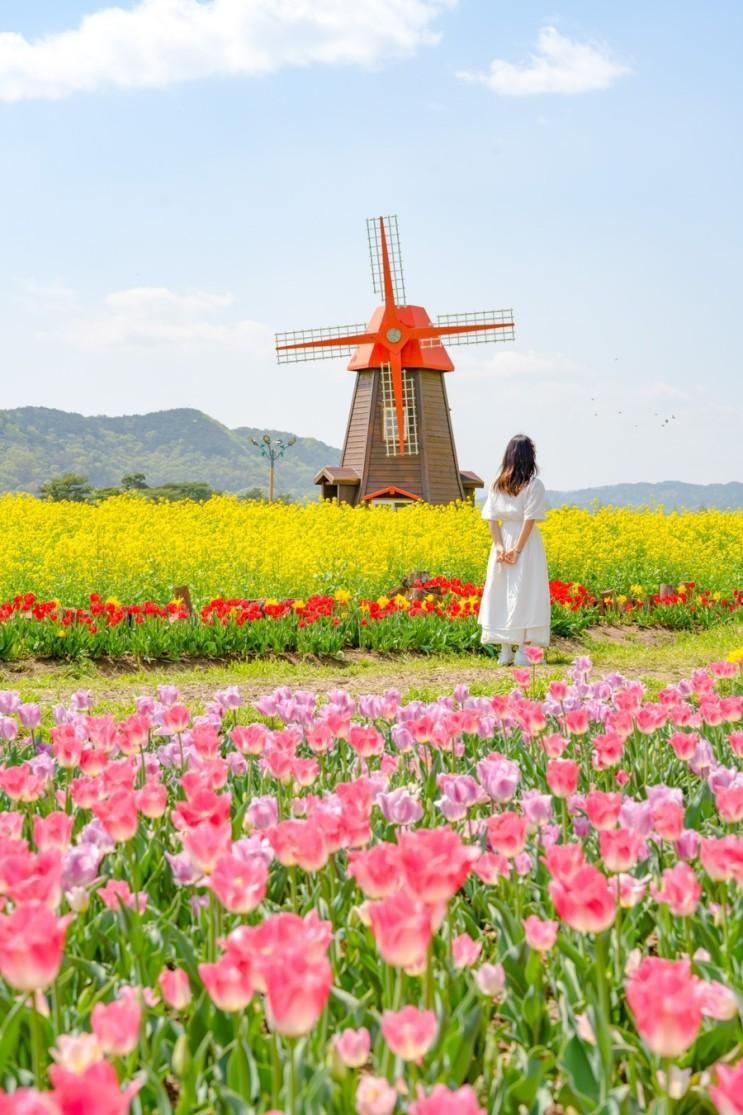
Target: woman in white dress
{"type": "Point", "coordinates": [515, 606]}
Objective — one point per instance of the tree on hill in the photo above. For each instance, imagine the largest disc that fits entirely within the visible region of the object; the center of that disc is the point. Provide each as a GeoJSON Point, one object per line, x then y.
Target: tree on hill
{"type": "Point", "coordinates": [134, 482]}
{"type": "Point", "coordinates": [71, 486]}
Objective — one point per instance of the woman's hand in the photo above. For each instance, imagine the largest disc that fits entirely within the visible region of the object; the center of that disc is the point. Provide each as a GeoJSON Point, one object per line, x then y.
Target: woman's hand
{"type": "Point", "coordinates": [499, 553]}
{"type": "Point", "coordinates": [510, 557]}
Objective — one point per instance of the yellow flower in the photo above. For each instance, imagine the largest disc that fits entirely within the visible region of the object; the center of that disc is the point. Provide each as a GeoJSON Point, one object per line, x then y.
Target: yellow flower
{"type": "Point", "coordinates": [717, 595]}
{"type": "Point", "coordinates": [682, 589]}
{"type": "Point", "coordinates": [342, 595]}
{"type": "Point", "coordinates": [112, 600]}
{"type": "Point", "coordinates": [736, 655]}
{"type": "Point", "coordinates": [383, 601]}
{"type": "Point", "coordinates": [637, 590]}
{"type": "Point", "coordinates": [298, 605]}
{"type": "Point", "coordinates": [62, 633]}
{"type": "Point", "coordinates": [622, 599]}
{"type": "Point", "coordinates": [401, 602]}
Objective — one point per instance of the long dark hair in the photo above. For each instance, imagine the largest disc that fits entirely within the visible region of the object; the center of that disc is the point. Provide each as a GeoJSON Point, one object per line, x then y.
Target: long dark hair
{"type": "Point", "coordinates": [518, 467]}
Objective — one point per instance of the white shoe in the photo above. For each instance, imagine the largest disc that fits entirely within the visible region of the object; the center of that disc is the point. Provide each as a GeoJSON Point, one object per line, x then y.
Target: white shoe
{"type": "Point", "coordinates": [520, 658]}
{"type": "Point", "coordinates": [505, 657]}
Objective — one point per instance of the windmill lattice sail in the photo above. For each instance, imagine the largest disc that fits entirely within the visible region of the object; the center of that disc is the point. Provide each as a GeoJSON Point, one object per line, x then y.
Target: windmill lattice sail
{"type": "Point", "coordinates": [399, 443]}
{"type": "Point", "coordinates": [300, 344]}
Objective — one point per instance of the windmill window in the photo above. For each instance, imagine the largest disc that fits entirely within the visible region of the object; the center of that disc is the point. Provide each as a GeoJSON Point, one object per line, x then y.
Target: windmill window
{"type": "Point", "coordinates": [389, 414]}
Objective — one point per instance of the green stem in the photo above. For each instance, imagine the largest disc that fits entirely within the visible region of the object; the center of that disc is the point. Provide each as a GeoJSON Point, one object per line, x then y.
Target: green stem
{"type": "Point", "coordinates": [291, 1100]}
{"type": "Point", "coordinates": [603, 1014]}
{"type": "Point", "coordinates": [37, 1056]}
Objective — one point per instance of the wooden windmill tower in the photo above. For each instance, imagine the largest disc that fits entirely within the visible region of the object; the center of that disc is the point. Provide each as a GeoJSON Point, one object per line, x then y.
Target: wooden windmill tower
{"type": "Point", "coordinates": [399, 443]}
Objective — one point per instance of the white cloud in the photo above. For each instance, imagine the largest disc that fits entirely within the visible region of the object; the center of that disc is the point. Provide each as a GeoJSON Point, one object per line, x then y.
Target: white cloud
{"type": "Point", "coordinates": [158, 42]}
{"type": "Point", "coordinates": [145, 317]}
{"type": "Point", "coordinates": [510, 364]}
{"type": "Point", "coordinates": [560, 65]}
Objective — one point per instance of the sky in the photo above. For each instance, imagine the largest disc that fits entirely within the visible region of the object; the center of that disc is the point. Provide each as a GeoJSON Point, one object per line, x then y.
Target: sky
{"type": "Point", "coordinates": [179, 179]}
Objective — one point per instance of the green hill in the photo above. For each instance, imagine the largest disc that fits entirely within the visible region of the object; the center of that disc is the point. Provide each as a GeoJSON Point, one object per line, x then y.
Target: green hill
{"type": "Point", "coordinates": [672, 495]}
{"type": "Point", "coordinates": [168, 446]}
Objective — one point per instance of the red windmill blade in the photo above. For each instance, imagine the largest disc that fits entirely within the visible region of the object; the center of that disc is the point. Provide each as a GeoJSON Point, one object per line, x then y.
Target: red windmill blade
{"type": "Point", "coordinates": [398, 336]}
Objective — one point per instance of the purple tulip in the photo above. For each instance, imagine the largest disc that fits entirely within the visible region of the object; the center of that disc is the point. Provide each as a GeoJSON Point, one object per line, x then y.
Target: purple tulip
{"type": "Point", "coordinates": [29, 715]}
{"type": "Point", "coordinates": [536, 807]}
{"type": "Point", "coordinates": [184, 872]}
{"type": "Point", "coordinates": [10, 701]}
{"type": "Point", "coordinates": [499, 778]}
{"type": "Point", "coordinates": [262, 813]}
{"type": "Point", "coordinates": [8, 728]}
{"type": "Point", "coordinates": [399, 807]}
{"type": "Point", "coordinates": [80, 865]}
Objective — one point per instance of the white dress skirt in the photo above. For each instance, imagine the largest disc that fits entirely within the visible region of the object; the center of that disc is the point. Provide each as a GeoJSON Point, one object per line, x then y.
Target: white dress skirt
{"type": "Point", "coordinates": [515, 606]}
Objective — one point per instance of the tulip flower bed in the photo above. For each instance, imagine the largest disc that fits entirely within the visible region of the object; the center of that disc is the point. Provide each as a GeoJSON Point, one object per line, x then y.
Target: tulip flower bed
{"type": "Point", "coordinates": [440, 617]}
{"type": "Point", "coordinates": [326, 904]}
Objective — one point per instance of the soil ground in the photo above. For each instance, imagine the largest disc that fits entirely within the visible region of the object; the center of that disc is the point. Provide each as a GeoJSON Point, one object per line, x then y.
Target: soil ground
{"type": "Point", "coordinates": [654, 655]}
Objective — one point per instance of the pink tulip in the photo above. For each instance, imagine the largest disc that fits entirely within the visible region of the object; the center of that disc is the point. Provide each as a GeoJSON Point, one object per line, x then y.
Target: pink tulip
{"type": "Point", "coordinates": [491, 866]}
{"type": "Point", "coordinates": [717, 1001]}
{"type": "Point", "coordinates": [29, 1101]}
{"type": "Point", "coordinates": [680, 890]}
{"type": "Point", "coordinates": [31, 944]}
{"type": "Point", "coordinates": [175, 988]}
{"type": "Point", "coordinates": [490, 979]}
{"type": "Point", "coordinates": [507, 833]}
{"type": "Point", "coordinates": [564, 861]}
{"type": "Point", "coordinates": [447, 1101]}
{"type": "Point", "coordinates": [620, 849]}
{"type": "Point", "coordinates": [117, 1024]}
{"type": "Point", "coordinates": [534, 654]}
{"type": "Point", "coordinates": [409, 1032]}
{"type": "Point", "coordinates": [434, 862]}
{"type": "Point", "coordinates": [230, 986]}
{"type": "Point", "coordinates": [352, 1047]}
{"type": "Point", "coordinates": [562, 777]}
{"type": "Point", "coordinates": [668, 819]}
{"type": "Point", "coordinates": [118, 815]}
{"type": "Point", "coordinates": [465, 951]}
{"type": "Point", "coordinates": [53, 831]}
{"type": "Point", "coordinates": [299, 842]}
{"type": "Point", "coordinates": [586, 903]}
{"type": "Point", "coordinates": [239, 883]}
{"type": "Point", "coordinates": [152, 800]}
{"type": "Point", "coordinates": [603, 809]}
{"type": "Point", "coordinates": [729, 802]}
{"type": "Point", "coordinates": [374, 1096]}
{"type": "Point", "coordinates": [297, 989]}
{"type": "Point", "coordinates": [402, 928]}
{"type": "Point", "coordinates": [540, 935]}
{"type": "Point", "coordinates": [376, 870]}
{"type": "Point", "coordinates": [93, 1092]}
{"type": "Point", "coordinates": [117, 892]}
{"type": "Point", "coordinates": [665, 1000]}
{"type": "Point", "coordinates": [577, 721]}
{"type": "Point", "coordinates": [206, 843]}
{"type": "Point", "coordinates": [727, 1093]}
{"type": "Point", "coordinates": [722, 857]}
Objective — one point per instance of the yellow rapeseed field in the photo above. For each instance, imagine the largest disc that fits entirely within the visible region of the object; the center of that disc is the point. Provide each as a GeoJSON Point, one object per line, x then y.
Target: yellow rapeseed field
{"type": "Point", "coordinates": [132, 549]}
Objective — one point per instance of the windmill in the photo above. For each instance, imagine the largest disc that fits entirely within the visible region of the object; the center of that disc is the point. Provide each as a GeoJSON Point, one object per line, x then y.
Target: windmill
{"type": "Point", "coordinates": [399, 444]}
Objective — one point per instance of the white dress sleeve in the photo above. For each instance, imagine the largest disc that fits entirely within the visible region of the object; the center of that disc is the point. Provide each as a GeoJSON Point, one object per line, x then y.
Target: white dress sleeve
{"type": "Point", "coordinates": [488, 507]}
{"type": "Point", "coordinates": [535, 505]}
